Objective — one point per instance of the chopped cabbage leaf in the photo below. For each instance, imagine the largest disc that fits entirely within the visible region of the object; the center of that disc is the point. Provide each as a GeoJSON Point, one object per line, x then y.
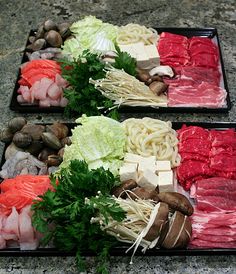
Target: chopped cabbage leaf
{"type": "Point", "coordinates": [90, 33]}
{"type": "Point", "coordinates": [98, 140]}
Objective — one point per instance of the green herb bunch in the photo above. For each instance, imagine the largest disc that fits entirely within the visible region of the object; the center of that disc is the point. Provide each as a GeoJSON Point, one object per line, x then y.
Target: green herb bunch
{"type": "Point", "coordinates": [124, 61]}
{"type": "Point", "coordinates": [64, 215]}
{"type": "Point", "coordinates": [83, 98]}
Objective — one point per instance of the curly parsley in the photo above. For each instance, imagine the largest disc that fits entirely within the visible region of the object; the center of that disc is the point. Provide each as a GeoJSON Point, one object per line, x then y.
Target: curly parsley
{"type": "Point", "coordinates": [64, 215]}
{"type": "Point", "coordinates": [83, 98]}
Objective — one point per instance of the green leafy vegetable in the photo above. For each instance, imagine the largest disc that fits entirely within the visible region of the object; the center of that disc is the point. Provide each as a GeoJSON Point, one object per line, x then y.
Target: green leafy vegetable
{"type": "Point", "coordinates": [64, 215]}
{"type": "Point", "coordinates": [124, 61]}
{"type": "Point", "coordinates": [99, 140]}
{"type": "Point", "coordinates": [88, 33]}
{"type": "Point", "coordinates": [83, 96]}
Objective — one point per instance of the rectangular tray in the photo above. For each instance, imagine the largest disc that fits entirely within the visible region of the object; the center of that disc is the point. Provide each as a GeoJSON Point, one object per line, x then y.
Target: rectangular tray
{"type": "Point", "coordinates": [120, 250]}
{"type": "Point", "coordinates": [203, 32]}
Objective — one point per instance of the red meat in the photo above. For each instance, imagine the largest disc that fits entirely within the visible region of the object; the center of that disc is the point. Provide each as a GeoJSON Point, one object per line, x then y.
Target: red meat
{"type": "Point", "coordinates": [193, 156]}
{"type": "Point", "coordinates": [205, 95]}
{"type": "Point", "coordinates": [223, 138]}
{"type": "Point", "coordinates": [210, 153]}
{"type": "Point", "coordinates": [216, 183]}
{"type": "Point", "coordinates": [198, 146]}
{"type": "Point", "coordinates": [213, 229]}
{"type": "Point", "coordinates": [192, 170]}
{"type": "Point", "coordinates": [198, 243]}
{"type": "Point", "coordinates": [203, 52]}
{"type": "Point", "coordinates": [192, 132]}
{"type": "Point", "coordinates": [207, 60]}
{"type": "Point", "coordinates": [224, 161]}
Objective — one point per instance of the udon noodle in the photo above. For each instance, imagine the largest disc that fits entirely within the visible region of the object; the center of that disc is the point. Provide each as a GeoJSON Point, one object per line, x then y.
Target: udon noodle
{"type": "Point", "coordinates": [134, 33]}
{"type": "Point", "coordinates": [149, 137]}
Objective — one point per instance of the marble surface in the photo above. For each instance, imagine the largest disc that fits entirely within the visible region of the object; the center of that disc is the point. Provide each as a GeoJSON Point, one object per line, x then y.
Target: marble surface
{"type": "Point", "coordinates": [18, 17]}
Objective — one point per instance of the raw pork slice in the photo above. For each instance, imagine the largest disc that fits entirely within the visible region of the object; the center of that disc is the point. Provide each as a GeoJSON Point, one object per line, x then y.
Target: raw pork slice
{"type": "Point", "coordinates": [216, 194]}
{"type": "Point", "coordinates": [205, 95]}
{"type": "Point", "coordinates": [213, 229]}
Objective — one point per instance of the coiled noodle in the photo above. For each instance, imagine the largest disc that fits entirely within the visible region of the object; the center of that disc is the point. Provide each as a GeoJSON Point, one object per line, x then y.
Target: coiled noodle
{"type": "Point", "coordinates": [149, 137]}
{"type": "Point", "coordinates": [134, 33]}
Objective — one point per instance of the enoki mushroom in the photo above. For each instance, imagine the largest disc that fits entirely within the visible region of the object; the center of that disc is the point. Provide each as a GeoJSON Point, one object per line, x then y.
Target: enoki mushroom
{"type": "Point", "coordinates": [125, 89]}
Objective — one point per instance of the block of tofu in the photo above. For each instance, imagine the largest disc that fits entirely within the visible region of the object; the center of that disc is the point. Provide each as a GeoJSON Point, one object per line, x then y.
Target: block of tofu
{"type": "Point", "coordinates": [163, 165]}
{"type": "Point", "coordinates": [147, 163]}
{"type": "Point", "coordinates": [128, 171]}
{"type": "Point", "coordinates": [148, 180]}
{"type": "Point", "coordinates": [137, 51]}
{"type": "Point", "coordinates": [129, 49]}
{"type": "Point", "coordinates": [133, 158]}
{"type": "Point", "coordinates": [153, 55]}
{"type": "Point", "coordinates": [165, 181]}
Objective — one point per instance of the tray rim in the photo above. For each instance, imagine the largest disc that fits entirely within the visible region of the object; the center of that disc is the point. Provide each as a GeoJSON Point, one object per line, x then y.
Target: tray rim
{"type": "Point", "coordinates": [120, 250]}
{"type": "Point", "coordinates": [212, 32]}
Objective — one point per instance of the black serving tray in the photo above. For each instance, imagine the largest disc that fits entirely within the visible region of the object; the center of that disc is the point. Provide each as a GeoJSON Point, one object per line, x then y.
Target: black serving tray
{"type": "Point", "coordinates": [120, 249]}
{"type": "Point", "coordinates": [189, 32]}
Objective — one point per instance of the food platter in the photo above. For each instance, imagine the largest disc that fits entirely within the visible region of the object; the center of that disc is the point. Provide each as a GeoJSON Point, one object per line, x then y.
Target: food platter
{"type": "Point", "coordinates": [120, 249]}
{"type": "Point", "coordinates": [188, 32]}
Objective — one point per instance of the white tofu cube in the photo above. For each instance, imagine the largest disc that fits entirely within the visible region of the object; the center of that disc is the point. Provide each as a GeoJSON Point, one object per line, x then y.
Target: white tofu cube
{"type": "Point", "coordinates": [148, 180]}
{"type": "Point", "coordinates": [128, 171]}
{"type": "Point", "coordinates": [133, 158]}
{"type": "Point", "coordinates": [128, 49]}
{"type": "Point", "coordinates": [147, 163]}
{"type": "Point", "coordinates": [163, 165]}
{"type": "Point", "coordinates": [165, 181]}
{"type": "Point", "coordinates": [153, 55]}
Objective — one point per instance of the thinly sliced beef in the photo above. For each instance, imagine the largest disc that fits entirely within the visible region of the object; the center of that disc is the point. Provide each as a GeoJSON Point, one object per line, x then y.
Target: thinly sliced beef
{"type": "Point", "coordinates": [217, 160]}
{"type": "Point", "coordinates": [215, 203]}
{"type": "Point", "coordinates": [226, 138]}
{"type": "Point", "coordinates": [198, 146]}
{"type": "Point", "coordinates": [201, 192]}
{"type": "Point", "coordinates": [194, 156]}
{"type": "Point", "coordinates": [191, 170]}
{"type": "Point", "coordinates": [192, 132]}
{"type": "Point", "coordinates": [224, 161]}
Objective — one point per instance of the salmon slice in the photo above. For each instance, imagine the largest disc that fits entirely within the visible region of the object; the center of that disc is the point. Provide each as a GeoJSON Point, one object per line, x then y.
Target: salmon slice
{"type": "Point", "coordinates": [40, 64]}
{"type": "Point", "coordinates": [20, 191]}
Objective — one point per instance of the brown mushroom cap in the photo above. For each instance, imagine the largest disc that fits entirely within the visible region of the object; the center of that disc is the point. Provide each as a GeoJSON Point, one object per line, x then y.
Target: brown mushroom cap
{"type": "Point", "coordinates": [178, 233]}
{"type": "Point", "coordinates": [177, 201]}
{"type": "Point", "coordinates": [160, 220]}
{"type": "Point", "coordinates": [118, 191]}
{"type": "Point", "coordinates": [143, 193]}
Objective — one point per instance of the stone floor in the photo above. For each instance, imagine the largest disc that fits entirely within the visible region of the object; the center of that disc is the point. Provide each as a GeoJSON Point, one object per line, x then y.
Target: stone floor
{"type": "Point", "coordinates": [18, 17]}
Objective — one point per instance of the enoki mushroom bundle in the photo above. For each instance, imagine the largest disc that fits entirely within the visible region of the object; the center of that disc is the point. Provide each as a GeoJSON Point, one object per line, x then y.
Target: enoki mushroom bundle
{"type": "Point", "coordinates": [140, 216]}
{"type": "Point", "coordinates": [125, 89]}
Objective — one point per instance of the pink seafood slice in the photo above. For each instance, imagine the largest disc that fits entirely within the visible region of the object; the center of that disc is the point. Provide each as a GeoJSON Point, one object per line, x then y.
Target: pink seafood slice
{"type": "Point", "coordinates": [54, 91]}
{"type": "Point", "coordinates": [63, 102]}
{"type": "Point", "coordinates": [44, 103]}
{"type": "Point", "coordinates": [34, 90]}
{"type": "Point", "coordinates": [41, 90]}
{"type": "Point", "coordinates": [11, 224]}
{"type": "Point", "coordinates": [25, 92]}
{"type": "Point", "coordinates": [61, 82]}
{"type": "Point", "coordinates": [55, 103]}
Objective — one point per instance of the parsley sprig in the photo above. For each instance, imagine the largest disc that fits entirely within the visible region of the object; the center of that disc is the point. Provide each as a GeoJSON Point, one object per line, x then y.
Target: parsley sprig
{"type": "Point", "coordinates": [124, 61]}
{"type": "Point", "coordinates": [64, 215]}
{"type": "Point", "coordinates": [83, 98]}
